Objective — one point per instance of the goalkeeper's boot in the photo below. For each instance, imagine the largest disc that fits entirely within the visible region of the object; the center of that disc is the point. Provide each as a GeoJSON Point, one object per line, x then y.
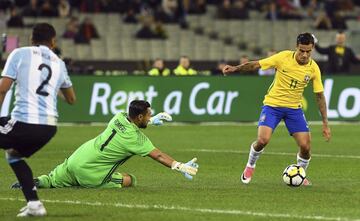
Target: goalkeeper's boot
{"type": "Point", "coordinates": [247, 174]}
{"type": "Point", "coordinates": [33, 208]}
{"type": "Point", "coordinates": [17, 185]}
{"type": "Point", "coordinates": [306, 182]}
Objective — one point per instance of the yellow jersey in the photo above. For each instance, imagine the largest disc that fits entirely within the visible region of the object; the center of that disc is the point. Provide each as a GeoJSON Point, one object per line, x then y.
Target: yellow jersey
{"type": "Point", "coordinates": [157, 72]}
{"type": "Point", "coordinates": [181, 71]}
{"type": "Point", "coordinates": [290, 79]}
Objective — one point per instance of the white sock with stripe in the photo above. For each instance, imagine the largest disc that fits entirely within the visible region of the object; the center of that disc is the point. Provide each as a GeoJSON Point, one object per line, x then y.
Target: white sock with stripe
{"type": "Point", "coordinates": [253, 156]}
{"type": "Point", "coordinates": [304, 163]}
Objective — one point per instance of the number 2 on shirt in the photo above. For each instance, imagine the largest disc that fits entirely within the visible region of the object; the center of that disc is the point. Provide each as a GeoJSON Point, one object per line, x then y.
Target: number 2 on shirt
{"type": "Point", "coordinates": [40, 90]}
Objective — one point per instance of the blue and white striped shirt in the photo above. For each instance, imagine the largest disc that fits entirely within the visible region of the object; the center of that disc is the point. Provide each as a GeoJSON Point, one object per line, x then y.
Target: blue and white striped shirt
{"type": "Point", "coordinates": [38, 74]}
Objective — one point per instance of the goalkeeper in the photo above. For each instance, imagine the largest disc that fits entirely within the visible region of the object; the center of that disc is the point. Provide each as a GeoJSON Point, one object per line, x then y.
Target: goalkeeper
{"type": "Point", "coordinates": [94, 163]}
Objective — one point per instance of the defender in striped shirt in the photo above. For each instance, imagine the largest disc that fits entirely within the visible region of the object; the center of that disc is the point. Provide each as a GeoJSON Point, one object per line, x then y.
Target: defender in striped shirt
{"type": "Point", "coordinates": [38, 74]}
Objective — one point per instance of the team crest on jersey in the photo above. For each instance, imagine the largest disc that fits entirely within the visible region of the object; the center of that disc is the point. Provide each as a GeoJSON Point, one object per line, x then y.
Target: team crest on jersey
{"type": "Point", "coordinates": [262, 118]}
{"type": "Point", "coordinates": [307, 78]}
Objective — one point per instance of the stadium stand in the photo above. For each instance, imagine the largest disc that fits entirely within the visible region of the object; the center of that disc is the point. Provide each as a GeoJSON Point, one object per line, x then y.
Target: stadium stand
{"type": "Point", "coordinates": [203, 37]}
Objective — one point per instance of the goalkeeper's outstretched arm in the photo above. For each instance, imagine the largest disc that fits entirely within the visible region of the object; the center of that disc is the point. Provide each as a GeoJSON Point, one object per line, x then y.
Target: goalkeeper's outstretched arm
{"type": "Point", "coordinates": [189, 169]}
{"type": "Point", "coordinates": [161, 157]}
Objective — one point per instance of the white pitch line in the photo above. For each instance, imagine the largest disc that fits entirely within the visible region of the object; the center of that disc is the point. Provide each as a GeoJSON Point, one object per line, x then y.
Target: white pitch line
{"type": "Point", "coordinates": [224, 123]}
{"type": "Point", "coordinates": [272, 153]}
{"type": "Point", "coordinates": [188, 209]}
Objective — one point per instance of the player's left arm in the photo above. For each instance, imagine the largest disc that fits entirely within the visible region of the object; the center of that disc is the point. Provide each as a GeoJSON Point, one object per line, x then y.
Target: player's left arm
{"type": "Point", "coordinates": [321, 102]}
{"type": "Point", "coordinates": [9, 73]}
{"type": "Point", "coordinates": [159, 118]}
{"type": "Point", "coordinates": [5, 85]}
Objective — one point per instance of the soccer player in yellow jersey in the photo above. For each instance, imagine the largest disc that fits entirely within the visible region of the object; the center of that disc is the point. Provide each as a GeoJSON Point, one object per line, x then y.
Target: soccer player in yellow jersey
{"type": "Point", "coordinates": [294, 71]}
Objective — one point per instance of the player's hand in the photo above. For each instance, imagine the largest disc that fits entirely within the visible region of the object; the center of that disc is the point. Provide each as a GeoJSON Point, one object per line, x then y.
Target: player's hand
{"type": "Point", "coordinates": [192, 164]}
{"type": "Point", "coordinates": [189, 169]}
{"type": "Point", "coordinates": [159, 118]}
{"type": "Point", "coordinates": [315, 39]}
{"type": "Point", "coordinates": [326, 133]}
{"type": "Point", "coordinates": [228, 69]}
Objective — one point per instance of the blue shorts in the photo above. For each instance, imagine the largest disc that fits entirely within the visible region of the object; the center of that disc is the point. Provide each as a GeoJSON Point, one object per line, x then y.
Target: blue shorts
{"type": "Point", "coordinates": [294, 118]}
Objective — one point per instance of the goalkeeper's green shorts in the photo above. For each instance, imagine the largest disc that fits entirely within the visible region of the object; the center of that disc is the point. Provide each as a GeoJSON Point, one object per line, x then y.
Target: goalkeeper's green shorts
{"type": "Point", "coordinates": [115, 181]}
{"type": "Point", "coordinates": [61, 177]}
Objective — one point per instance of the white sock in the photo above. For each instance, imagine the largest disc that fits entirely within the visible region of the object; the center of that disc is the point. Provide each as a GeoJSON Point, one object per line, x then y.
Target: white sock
{"type": "Point", "coordinates": [304, 163]}
{"type": "Point", "coordinates": [34, 204]}
{"type": "Point", "coordinates": [253, 156]}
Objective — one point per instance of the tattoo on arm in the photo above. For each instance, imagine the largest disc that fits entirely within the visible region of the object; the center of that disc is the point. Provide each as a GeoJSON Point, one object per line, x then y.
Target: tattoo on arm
{"type": "Point", "coordinates": [320, 100]}
{"type": "Point", "coordinates": [248, 66]}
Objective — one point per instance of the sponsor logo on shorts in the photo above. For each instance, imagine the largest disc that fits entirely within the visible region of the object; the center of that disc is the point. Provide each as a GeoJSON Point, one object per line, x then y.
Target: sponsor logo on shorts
{"type": "Point", "coordinates": [262, 118]}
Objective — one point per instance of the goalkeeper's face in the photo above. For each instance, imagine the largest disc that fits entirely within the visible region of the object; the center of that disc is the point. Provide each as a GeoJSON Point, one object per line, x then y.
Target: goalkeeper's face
{"type": "Point", "coordinates": [144, 119]}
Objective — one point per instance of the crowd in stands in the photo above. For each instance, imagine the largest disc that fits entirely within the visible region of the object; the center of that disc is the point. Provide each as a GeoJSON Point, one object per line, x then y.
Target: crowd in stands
{"type": "Point", "coordinates": [184, 68]}
{"type": "Point", "coordinates": [152, 14]}
{"type": "Point", "coordinates": [327, 14]}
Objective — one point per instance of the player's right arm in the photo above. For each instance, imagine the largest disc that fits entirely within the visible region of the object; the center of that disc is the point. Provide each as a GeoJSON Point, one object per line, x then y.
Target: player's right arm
{"type": "Point", "coordinates": [161, 157]}
{"type": "Point", "coordinates": [69, 95]}
{"type": "Point", "coordinates": [248, 66]}
{"type": "Point", "coordinates": [67, 90]}
{"type": "Point", "coordinates": [189, 169]}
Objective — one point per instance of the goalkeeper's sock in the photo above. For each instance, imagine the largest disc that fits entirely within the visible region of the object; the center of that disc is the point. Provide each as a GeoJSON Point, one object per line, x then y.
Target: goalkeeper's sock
{"type": "Point", "coordinates": [44, 181]}
{"type": "Point", "coordinates": [304, 163]}
{"type": "Point", "coordinates": [133, 179]}
{"type": "Point", "coordinates": [253, 156]}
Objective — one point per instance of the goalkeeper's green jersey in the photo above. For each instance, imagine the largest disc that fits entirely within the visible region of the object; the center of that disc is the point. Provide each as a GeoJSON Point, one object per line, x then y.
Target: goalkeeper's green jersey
{"type": "Point", "coordinates": [94, 162]}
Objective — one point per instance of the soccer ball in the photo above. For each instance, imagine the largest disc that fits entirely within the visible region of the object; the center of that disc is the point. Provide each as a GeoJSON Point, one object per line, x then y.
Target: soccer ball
{"type": "Point", "coordinates": [294, 175]}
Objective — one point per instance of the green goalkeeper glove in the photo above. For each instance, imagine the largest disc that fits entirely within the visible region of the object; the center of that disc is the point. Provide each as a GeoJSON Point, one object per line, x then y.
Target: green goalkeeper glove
{"type": "Point", "coordinates": [159, 118]}
{"type": "Point", "coordinates": [189, 169]}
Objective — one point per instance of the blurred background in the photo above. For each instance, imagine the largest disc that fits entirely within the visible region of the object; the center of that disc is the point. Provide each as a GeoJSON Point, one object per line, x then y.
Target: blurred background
{"type": "Point", "coordinates": [131, 37]}
{"type": "Point", "coordinates": [120, 50]}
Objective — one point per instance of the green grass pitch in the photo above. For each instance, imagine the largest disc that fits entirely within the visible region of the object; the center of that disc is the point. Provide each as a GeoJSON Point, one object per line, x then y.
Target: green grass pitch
{"type": "Point", "coordinates": [216, 192]}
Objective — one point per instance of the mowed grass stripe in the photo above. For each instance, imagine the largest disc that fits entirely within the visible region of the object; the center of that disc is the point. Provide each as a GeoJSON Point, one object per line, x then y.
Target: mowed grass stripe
{"type": "Point", "coordinates": [188, 209]}
{"type": "Point", "coordinates": [272, 153]}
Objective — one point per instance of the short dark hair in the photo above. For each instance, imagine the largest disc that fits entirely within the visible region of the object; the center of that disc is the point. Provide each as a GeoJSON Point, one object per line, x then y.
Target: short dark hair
{"type": "Point", "coordinates": [138, 107]}
{"type": "Point", "coordinates": [305, 39]}
{"type": "Point", "coordinates": [43, 33]}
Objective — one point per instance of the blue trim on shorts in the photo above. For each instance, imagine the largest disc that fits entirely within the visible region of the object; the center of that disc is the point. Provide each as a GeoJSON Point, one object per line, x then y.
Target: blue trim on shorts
{"type": "Point", "coordinates": [294, 119]}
